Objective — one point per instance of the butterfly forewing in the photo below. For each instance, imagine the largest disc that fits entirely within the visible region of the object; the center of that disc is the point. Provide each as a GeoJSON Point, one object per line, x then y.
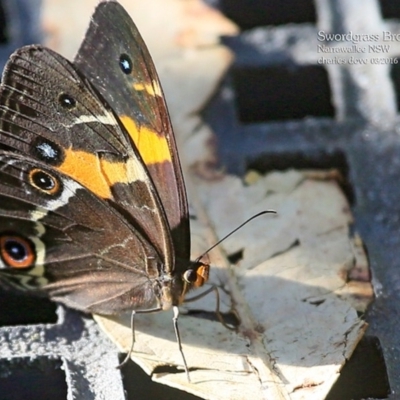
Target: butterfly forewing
{"type": "Point", "coordinates": [121, 68]}
{"type": "Point", "coordinates": [43, 97]}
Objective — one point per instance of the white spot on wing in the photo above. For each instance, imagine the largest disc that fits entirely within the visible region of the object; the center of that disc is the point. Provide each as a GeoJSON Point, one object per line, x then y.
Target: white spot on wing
{"type": "Point", "coordinates": [47, 151]}
{"type": "Point", "coordinates": [107, 119]}
{"type": "Point", "coordinates": [135, 171]}
{"type": "Point", "coordinates": [70, 188]}
{"type": "Point", "coordinates": [157, 88]}
{"type": "Point", "coordinates": [38, 272]}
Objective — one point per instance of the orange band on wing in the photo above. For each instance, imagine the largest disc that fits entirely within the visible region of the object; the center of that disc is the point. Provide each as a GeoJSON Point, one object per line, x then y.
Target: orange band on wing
{"type": "Point", "coordinates": [98, 175]}
{"type": "Point", "coordinates": [152, 147]}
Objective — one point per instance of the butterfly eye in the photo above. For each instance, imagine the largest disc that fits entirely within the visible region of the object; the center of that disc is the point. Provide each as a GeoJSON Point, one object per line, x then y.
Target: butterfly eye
{"type": "Point", "coordinates": [126, 64]}
{"type": "Point", "coordinates": [44, 181]}
{"type": "Point", "coordinates": [16, 251]}
{"type": "Point", "coordinates": [190, 276]}
{"type": "Point", "coordinates": [66, 101]}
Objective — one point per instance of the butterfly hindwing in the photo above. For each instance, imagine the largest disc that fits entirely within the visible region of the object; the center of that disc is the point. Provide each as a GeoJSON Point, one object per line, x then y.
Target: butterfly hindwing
{"type": "Point", "coordinates": [82, 249]}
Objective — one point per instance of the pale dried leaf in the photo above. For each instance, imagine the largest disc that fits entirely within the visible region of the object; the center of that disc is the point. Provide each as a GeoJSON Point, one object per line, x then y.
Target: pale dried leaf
{"type": "Point", "coordinates": [296, 332]}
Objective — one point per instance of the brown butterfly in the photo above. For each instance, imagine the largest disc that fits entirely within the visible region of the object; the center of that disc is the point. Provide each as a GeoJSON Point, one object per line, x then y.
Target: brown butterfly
{"type": "Point", "coordinates": [93, 207]}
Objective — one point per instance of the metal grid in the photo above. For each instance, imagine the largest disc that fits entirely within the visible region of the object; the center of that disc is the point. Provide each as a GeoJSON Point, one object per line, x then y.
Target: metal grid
{"type": "Point", "coordinates": [360, 139]}
{"type": "Point", "coordinates": [352, 124]}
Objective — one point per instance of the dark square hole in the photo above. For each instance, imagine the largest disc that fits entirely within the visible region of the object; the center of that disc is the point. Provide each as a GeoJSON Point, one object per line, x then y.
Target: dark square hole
{"type": "Point", "coordinates": [26, 379]}
{"type": "Point", "coordinates": [279, 93]}
{"type": "Point", "coordinates": [390, 8]}
{"type": "Point", "coordinates": [364, 375]}
{"type": "Point", "coordinates": [22, 309]}
{"type": "Point", "coordinates": [395, 74]}
{"type": "Point", "coordinates": [251, 13]}
{"type": "Point", "coordinates": [3, 25]}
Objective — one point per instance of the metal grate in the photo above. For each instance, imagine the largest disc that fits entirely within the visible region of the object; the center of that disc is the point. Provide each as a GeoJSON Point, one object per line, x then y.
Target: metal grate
{"type": "Point", "coordinates": [329, 116]}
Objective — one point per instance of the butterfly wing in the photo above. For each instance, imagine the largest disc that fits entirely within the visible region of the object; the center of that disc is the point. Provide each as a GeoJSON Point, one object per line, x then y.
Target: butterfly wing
{"type": "Point", "coordinates": [120, 67]}
{"type": "Point", "coordinates": [50, 113]}
{"type": "Point", "coordinates": [59, 238]}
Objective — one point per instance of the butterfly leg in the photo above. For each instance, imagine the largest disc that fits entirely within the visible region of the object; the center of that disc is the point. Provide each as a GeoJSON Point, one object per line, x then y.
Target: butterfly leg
{"type": "Point", "coordinates": [178, 339]}
{"type": "Point", "coordinates": [128, 356]}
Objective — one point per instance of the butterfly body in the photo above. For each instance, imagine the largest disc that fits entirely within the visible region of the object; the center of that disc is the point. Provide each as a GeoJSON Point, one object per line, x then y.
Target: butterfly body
{"type": "Point", "coordinates": [93, 207]}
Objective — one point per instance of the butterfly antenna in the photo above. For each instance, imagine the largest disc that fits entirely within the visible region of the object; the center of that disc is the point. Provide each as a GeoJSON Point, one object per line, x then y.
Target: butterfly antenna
{"type": "Point", "coordinates": [235, 230]}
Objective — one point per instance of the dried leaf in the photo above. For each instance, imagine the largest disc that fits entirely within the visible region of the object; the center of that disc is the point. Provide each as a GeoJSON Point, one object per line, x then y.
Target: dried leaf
{"type": "Point", "coordinates": [296, 332]}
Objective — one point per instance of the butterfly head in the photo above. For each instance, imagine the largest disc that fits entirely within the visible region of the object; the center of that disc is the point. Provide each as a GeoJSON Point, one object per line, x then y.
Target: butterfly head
{"type": "Point", "coordinates": [195, 276]}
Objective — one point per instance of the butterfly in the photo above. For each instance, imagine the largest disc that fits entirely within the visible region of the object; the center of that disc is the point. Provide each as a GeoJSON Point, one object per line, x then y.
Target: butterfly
{"type": "Point", "coordinates": [93, 206]}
